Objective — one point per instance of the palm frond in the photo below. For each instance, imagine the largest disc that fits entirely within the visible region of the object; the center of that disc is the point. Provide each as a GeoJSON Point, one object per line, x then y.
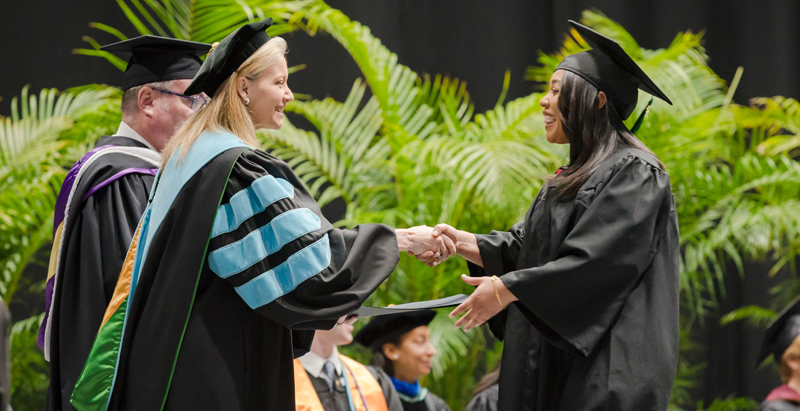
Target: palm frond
{"type": "Point", "coordinates": [198, 20]}
{"type": "Point", "coordinates": [755, 315]}
{"type": "Point", "coordinates": [497, 153]}
{"type": "Point", "coordinates": [405, 112]}
{"type": "Point", "coordinates": [347, 158]}
{"type": "Point", "coordinates": [32, 131]}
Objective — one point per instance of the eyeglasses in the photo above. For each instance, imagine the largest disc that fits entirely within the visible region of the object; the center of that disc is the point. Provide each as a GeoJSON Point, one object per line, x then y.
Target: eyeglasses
{"type": "Point", "coordinates": [195, 102]}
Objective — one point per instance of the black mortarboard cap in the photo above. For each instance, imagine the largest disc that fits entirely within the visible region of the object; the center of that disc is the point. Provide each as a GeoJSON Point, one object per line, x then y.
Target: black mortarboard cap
{"type": "Point", "coordinates": [607, 67]}
{"type": "Point", "coordinates": [781, 332]}
{"type": "Point", "coordinates": [155, 58]}
{"type": "Point", "coordinates": [386, 328]}
{"type": "Point", "coordinates": [228, 55]}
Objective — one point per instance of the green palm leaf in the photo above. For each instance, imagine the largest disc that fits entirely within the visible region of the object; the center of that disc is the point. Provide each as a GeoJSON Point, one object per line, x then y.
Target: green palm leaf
{"type": "Point", "coordinates": [198, 20]}
{"type": "Point", "coordinates": [346, 159]}
{"type": "Point", "coordinates": [32, 145]}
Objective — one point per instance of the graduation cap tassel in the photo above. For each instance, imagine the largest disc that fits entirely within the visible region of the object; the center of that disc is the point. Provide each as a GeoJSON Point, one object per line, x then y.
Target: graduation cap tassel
{"type": "Point", "coordinates": [640, 120]}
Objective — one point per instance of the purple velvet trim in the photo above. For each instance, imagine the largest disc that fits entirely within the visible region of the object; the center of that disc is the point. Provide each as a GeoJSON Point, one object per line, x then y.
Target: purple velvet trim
{"type": "Point", "coordinates": [61, 204]}
{"type": "Point", "coordinates": [48, 292]}
{"type": "Point", "coordinates": [58, 218]}
{"type": "Point", "coordinates": [66, 188]}
{"type": "Point", "coordinates": [134, 170]}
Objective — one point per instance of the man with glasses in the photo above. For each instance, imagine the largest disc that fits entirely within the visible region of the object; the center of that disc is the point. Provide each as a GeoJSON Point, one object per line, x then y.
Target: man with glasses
{"type": "Point", "coordinates": [103, 197]}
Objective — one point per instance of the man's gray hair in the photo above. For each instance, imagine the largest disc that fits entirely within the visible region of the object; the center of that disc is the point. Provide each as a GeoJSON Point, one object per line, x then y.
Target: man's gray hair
{"type": "Point", "coordinates": [130, 98]}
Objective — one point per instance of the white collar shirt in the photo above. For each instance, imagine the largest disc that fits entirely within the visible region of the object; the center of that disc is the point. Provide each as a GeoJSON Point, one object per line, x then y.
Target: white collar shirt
{"type": "Point", "coordinates": [125, 130]}
{"type": "Point", "coordinates": [313, 363]}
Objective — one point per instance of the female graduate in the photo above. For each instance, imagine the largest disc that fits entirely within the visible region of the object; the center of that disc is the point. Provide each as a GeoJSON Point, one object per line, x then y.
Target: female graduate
{"type": "Point", "coordinates": [585, 290]}
{"type": "Point", "coordinates": [401, 346]}
{"type": "Point", "coordinates": [231, 255]}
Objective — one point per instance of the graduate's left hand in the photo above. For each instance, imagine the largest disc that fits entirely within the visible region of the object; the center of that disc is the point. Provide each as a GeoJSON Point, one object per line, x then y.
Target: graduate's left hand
{"type": "Point", "coordinates": [482, 304]}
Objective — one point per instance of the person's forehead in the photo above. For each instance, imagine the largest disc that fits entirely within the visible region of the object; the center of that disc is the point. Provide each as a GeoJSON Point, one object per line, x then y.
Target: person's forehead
{"type": "Point", "coordinates": [421, 330]}
{"type": "Point", "coordinates": [179, 86]}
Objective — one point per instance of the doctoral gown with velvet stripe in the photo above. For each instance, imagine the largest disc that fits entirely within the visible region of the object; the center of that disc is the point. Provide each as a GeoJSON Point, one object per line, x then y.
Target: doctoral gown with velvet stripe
{"type": "Point", "coordinates": [596, 324]}
{"type": "Point", "coordinates": [105, 208]}
{"type": "Point", "coordinates": [238, 272]}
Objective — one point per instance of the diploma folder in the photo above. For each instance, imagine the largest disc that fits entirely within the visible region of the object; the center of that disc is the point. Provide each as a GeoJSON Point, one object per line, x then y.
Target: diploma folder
{"type": "Point", "coordinates": [452, 301]}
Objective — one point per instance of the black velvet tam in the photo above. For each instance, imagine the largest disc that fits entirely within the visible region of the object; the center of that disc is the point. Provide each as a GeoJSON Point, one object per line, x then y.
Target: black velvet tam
{"type": "Point", "coordinates": [607, 67]}
{"type": "Point", "coordinates": [155, 58]}
{"type": "Point", "coordinates": [781, 332]}
{"type": "Point", "coordinates": [226, 57]}
{"type": "Point", "coordinates": [386, 328]}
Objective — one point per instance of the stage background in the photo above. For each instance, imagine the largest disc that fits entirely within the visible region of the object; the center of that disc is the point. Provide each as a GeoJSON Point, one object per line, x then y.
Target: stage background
{"type": "Point", "coordinates": [476, 42]}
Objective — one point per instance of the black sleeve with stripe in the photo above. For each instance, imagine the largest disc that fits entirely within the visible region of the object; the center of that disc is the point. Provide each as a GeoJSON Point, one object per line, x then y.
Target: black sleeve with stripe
{"type": "Point", "coordinates": [272, 244]}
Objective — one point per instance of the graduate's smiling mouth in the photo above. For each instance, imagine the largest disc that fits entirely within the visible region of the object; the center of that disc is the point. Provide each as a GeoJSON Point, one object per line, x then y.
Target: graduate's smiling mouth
{"type": "Point", "coordinates": [549, 119]}
{"type": "Point", "coordinates": [279, 110]}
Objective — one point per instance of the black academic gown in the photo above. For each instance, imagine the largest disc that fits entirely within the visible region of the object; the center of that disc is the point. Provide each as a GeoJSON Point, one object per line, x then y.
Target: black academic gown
{"type": "Point", "coordinates": [782, 398]}
{"type": "Point", "coordinates": [191, 342]}
{"type": "Point", "coordinates": [780, 405]}
{"type": "Point", "coordinates": [596, 324]}
{"type": "Point", "coordinates": [486, 400]}
{"type": "Point", "coordinates": [96, 239]}
{"type": "Point", "coordinates": [431, 402]}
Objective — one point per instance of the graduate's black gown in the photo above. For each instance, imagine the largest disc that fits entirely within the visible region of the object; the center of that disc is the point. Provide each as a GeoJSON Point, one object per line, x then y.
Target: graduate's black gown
{"type": "Point", "coordinates": [431, 402]}
{"type": "Point", "coordinates": [191, 341]}
{"type": "Point", "coordinates": [96, 239]}
{"type": "Point", "coordinates": [486, 400]}
{"type": "Point", "coordinates": [596, 324]}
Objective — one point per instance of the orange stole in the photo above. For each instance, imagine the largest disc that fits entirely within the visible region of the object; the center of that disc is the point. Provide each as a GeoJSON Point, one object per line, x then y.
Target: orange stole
{"type": "Point", "coordinates": [306, 396]}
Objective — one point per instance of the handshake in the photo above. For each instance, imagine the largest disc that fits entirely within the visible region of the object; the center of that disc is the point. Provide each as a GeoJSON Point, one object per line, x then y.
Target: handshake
{"type": "Point", "coordinates": [431, 245]}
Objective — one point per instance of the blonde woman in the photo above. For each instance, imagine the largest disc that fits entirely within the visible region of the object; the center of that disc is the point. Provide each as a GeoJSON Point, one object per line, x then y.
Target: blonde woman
{"type": "Point", "coordinates": [231, 256]}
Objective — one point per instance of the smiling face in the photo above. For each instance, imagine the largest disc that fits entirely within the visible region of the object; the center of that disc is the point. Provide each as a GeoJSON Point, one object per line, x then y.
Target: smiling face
{"type": "Point", "coordinates": [411, 359]}
{"type": "Point", "coordinates": [268, 95]}
{"type": "Point", "coordinates": [552, 119]}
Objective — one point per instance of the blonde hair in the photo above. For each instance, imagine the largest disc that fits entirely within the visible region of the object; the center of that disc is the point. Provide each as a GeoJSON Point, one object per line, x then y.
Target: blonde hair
{"type": "Point", "coordinates": [227, 111]}
{"type": "Point", "coordinates": [791, 354]}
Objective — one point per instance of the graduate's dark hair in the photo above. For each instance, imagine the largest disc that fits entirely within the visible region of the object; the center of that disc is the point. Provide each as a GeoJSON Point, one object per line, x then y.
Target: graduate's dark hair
{"type": "Point", "coordinates": [594, 134]}
{"type": "Point", "coordinates": [379, 359]}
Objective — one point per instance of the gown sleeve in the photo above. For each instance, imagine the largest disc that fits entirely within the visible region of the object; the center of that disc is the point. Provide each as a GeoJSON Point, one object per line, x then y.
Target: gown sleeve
{"type": "Point", "coordinates": [271, 242]}
{"type": "Point", "coordinates": [499, 251]}
{"type": "Point", "coordinates": [485, 401]}
{"type": "Point", "coordinates": [580, 293]}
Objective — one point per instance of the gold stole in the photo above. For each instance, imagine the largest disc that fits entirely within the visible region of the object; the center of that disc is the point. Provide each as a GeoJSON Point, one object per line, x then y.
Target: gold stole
{"type": "Point", "coordinates": [306, 396]}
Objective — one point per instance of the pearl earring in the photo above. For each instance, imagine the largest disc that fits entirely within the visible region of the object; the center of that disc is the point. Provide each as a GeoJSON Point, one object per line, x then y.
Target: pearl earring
{"type": "Point", "coordinates": [246, 101]}
{"type": "Point", "coordinates": [396, 357]}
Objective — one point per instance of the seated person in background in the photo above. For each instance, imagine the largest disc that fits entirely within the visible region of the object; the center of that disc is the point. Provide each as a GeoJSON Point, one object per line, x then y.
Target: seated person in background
{"type": "Point", "coordinates": [401, 346]}
{"type": "Point", "coordinates": [782, 341]}
{"type": "Point", "coordinates": [322, 378]}
{"type": "Point", "coordinates": [486, 391]}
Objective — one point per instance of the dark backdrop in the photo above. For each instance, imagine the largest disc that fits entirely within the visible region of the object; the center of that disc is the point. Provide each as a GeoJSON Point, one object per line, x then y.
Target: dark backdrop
{"type": "Point", "coordinates": [475, 41]}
